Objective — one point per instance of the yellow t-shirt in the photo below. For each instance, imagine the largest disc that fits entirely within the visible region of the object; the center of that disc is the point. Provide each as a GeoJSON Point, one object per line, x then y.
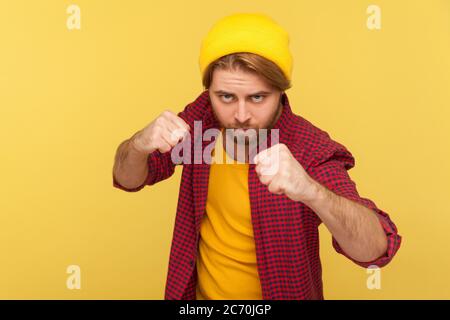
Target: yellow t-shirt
{"type": "Point", "coordinates": [226, 262]}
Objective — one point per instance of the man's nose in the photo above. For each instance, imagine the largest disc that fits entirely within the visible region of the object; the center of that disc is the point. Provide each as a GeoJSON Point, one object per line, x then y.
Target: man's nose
{"type": "Point", "coordinates": [242, 115]}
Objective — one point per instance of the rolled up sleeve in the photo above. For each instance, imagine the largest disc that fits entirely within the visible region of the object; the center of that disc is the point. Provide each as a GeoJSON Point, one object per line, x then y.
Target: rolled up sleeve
{"type": "Point", "coordinates": [160, 167]}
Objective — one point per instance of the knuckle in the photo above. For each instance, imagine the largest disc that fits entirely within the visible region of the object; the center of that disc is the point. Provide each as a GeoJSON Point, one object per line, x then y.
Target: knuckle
{"type": "Point", "coordinates": [154, 137]}
{"type": "Point", "coordinates": [156, 131]}
{"type": "Point", "coordinates": [159, 121]}
{"type": "Point", "coordinates": [164, 148]}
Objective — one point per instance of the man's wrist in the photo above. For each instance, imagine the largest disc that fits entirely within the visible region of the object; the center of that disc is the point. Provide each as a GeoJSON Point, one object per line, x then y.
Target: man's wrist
{"type": "Point", "coordinates": [134, 146]}
{"type": "Point", "coordinates": [316, 196]}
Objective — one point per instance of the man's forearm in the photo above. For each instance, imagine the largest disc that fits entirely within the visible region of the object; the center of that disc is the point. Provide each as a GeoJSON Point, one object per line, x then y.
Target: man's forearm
{"type": "Point", "coordinates": [355, 227]}
{"type": "Point", "coordinates": [130, 165]}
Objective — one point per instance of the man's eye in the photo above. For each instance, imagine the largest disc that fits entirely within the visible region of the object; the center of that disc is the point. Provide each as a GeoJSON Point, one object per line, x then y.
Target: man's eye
{"type": "Point", "coordinates": [259, 98]}
{"type": "Point", "coordinates": [226, 97]}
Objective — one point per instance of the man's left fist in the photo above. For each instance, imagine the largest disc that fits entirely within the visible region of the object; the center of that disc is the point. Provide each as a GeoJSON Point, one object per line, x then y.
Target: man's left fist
{"type": "Point", "coordinates": [283, 174]}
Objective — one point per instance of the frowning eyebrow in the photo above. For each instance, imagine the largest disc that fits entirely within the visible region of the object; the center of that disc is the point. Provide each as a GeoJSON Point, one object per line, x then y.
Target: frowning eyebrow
{"type": "Point", "coordinates": [250, 95]}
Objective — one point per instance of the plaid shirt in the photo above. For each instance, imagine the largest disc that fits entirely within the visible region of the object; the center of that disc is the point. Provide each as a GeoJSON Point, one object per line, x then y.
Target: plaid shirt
{"type": "Point", "coordinates": [286, 232]}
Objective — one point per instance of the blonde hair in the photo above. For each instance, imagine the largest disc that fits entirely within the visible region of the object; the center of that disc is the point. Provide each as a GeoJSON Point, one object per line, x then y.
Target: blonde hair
{"type": "Point", "coordinates": [249, 62]}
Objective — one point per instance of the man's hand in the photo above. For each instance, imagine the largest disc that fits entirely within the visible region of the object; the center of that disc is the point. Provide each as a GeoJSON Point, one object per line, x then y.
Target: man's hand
{"type": "Point", "coordinates": [161, 134]}
{"type": "Point", "coordinates": [130, 165]}
{"type": "Point", "coordinates": [283, 174]}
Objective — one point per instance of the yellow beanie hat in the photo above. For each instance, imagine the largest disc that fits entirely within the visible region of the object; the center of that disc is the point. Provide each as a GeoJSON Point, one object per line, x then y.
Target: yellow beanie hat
{"type": "Point", "coordinates": [247, 32]}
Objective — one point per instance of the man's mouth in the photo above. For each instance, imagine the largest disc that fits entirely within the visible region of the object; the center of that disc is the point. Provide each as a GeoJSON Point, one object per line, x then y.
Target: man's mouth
{"type": "Point", "coordinates": [242, 129]}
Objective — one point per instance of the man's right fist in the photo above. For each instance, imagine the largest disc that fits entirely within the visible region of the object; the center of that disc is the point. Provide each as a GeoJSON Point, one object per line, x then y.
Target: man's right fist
{"type": "Point", "coordinates": [161, 134]}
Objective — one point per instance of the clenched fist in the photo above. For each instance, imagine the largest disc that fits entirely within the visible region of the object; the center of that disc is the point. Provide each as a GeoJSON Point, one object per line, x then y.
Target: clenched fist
{"type": "Point", "coordinates": [283, 174]}
{"type": "Point", "coordinates": [161, 134]}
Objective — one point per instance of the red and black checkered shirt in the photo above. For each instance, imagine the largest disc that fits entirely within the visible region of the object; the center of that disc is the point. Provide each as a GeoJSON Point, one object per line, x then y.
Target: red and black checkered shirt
{"type": "Point", "coordinates": [286, 232]}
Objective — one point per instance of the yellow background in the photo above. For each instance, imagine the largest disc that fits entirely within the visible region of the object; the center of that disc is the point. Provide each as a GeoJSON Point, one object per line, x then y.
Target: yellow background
{"type": "Point", "coordinates": [68, 98]}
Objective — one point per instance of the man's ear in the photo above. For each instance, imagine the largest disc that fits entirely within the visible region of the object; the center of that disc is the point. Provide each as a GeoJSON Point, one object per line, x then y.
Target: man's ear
{"type": "Point", "coordinates": [281, 98]}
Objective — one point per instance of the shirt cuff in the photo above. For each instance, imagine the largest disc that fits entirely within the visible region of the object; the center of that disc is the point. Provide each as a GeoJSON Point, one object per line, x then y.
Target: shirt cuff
{"type": "Point", "coordinates": [116, 184]}
{"type": "Point", "coordinates": [393, 243]}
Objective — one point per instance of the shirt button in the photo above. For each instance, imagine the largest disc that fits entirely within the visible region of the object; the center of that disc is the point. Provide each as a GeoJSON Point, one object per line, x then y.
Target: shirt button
{"type": "Point", "coordinates": [192, 262]}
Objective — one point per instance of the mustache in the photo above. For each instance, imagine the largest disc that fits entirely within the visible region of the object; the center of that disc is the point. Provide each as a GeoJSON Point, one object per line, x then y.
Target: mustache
{"type": "Point", "coordinates": [242, 126]}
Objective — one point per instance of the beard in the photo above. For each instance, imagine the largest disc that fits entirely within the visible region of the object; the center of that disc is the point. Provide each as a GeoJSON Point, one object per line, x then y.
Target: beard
{"type": "Point", "coordinates": [242, 134]}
